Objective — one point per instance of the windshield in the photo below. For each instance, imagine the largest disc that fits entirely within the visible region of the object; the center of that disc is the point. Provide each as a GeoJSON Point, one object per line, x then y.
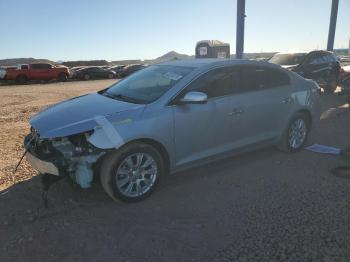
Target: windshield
{"type": "Point", "coordinates": [147, 85]}
{"type": "Point", "coordinates": [287, 59]}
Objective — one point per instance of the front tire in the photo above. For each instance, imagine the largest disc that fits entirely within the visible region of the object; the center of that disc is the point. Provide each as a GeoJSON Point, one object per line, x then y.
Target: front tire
{"type": "Point", "coordinates": [296, 134]}
{"type": "Point", "coordinates": [131, 173]}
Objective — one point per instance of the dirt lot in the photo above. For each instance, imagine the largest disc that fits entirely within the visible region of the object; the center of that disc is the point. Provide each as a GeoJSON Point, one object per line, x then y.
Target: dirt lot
{"type": "Point", "coordinates": [18, 104]}
{"type": "Point", "coordinates": [262, 206]}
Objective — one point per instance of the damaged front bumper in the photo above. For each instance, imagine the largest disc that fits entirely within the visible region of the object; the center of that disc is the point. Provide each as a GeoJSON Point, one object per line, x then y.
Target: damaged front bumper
{"type": "Point", "coordinates": [41, 166]}
{"type": "Point", "coordinates": [70, 156]}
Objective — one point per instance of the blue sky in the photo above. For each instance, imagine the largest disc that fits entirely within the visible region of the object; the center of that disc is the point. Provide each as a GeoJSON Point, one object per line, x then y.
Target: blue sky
{"type": "Point", "coordinates": [128, 29]}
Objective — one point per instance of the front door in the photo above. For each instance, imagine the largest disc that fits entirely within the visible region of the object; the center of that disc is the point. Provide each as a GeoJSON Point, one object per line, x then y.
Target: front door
{"type": "Point", "coordinates": [204, 130]}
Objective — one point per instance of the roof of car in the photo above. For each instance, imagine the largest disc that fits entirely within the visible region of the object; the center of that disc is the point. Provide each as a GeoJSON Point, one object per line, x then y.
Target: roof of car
{"type": "Point", "coordinates": [201, 62]}
{"type": "Point", "coordinates": [302, 52]}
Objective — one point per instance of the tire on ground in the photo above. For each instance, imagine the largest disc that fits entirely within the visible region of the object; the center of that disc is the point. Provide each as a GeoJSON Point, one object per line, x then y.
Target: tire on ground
{"type": "Point", "coordinates": [62, 77]}
{"type": "Point", "coordinates": [112, 161]}
{"type": "Point", "coordinates": [21, 79]}
{"type": "Point", "coordinates": [283, 144]}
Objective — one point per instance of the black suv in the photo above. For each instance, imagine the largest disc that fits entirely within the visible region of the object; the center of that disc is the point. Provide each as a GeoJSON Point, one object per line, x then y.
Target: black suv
{"type": "Point", "coordinates": [320, 66]}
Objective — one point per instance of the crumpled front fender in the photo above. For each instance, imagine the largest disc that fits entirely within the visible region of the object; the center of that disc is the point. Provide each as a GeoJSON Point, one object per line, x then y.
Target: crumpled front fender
{"type": "Point", "coordinates": [105, 135]}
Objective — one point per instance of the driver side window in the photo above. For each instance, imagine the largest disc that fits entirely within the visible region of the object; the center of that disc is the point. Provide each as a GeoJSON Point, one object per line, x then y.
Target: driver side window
{"type": "Point", "coordinates": [216, 83]}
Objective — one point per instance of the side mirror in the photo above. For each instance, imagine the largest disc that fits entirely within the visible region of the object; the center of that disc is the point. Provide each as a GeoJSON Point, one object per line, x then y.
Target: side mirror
{"type": "Point", "coordinates": [194, 98]}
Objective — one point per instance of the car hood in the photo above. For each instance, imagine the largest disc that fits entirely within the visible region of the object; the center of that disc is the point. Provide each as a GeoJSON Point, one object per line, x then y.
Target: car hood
{"type": "Point", "coordinates": [79, 115]}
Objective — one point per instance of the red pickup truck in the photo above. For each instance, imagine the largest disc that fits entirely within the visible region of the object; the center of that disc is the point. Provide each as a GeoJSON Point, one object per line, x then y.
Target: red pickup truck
{"type": "Point", "coordinates": [24, 73]}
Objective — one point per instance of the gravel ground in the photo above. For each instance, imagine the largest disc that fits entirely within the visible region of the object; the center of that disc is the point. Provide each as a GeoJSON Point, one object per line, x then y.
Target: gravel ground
{"type": "Point", "coordinates": [261, 206]}
{"type": "Point", "coordinates": [18, 104]}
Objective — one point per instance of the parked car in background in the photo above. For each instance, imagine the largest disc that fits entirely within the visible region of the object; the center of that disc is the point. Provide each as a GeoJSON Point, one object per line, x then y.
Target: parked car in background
{"type": "Point", "coordinates": [73, 71]}
{"type": "Point", "coordinates": [2, 73]}
{"type": "Point", "coordinates": [345, 60]}
{"type": "Point", "coordinates": [117, 69]}
{"type": "Point", "coordinates": [170, 117]}
{"type": "Point", "coordinates": [320, 66]}
{"type": "Point", "coordinates": [38, 71]}
{"type": "Point", "coordinates": [94, 72]}
{"type": "Point", "coordinates": [130, 69]}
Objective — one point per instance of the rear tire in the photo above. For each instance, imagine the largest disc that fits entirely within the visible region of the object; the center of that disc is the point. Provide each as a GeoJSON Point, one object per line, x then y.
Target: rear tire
{"type": "Point", "coordinates": [21, 79]}
{"type": "Point", "coordinates": [62, 77]}
{"type": "Point", "coordinates": [131, 173]}
{"type": "Point", "coordinates": [87, 77]}
{"type": "Point", "coordinates": [110, 76]}
{"type": "Point", "coordinates": [296, 134]}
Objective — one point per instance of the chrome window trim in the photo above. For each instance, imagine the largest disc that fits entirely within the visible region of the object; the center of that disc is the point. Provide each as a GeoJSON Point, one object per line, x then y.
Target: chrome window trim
{"type": "Point", "coordinates": [169, 103]}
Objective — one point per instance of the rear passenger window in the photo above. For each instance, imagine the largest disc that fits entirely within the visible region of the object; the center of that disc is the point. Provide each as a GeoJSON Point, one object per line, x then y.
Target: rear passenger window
{"type": "Point", "coordinates": [46, 66]}
{"type": "Point", "coordinates": [35, 66]}
{"type": "Point", "coordinates": [275, 78]}
{"type": "Point", "coordinates": [41, 66]}
{"type": "Point", "coordinates": [254, 78]}
{"type": "Point", "coordinates": [251, 79]}
{"type": "Point", "coordinates": [319, 59]}
{"type": "Point", "coordinates": [331, 58]}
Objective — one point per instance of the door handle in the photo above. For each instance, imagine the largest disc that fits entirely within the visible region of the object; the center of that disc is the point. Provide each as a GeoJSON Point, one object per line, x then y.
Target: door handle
{"type": "Point", "coordinates": [236, 112]}
{"type": "Point", "coordinates": [287, 100]}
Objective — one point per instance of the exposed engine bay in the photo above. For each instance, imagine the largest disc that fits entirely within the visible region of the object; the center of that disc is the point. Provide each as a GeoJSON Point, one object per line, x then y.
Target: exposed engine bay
{"type": "Point", "coordinates": [73, 155]}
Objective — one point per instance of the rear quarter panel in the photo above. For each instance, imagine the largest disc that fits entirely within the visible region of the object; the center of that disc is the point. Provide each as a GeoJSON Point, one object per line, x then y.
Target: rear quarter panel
{"type": "Point", "coordinates": [306, 97]}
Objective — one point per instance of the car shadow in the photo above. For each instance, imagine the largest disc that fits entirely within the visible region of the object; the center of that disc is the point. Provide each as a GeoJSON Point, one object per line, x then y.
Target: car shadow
{"type": "Point", "coordinates": [63, 194]}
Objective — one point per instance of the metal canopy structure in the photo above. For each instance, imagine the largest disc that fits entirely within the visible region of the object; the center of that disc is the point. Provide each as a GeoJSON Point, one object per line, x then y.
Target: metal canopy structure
{"type": "Point", "coordinates": [241, 19]}
{"type": "Point", "coordinates": [332, 25]}
{"type": "Point", "coordinates": [240, 28]}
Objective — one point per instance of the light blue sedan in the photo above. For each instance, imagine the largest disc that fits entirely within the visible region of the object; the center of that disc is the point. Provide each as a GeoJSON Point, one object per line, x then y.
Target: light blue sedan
{"type": "Point", "coordinates": [170, 117]}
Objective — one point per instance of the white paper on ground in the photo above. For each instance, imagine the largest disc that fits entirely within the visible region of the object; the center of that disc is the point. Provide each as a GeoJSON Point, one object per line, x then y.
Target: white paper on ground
{"type": "Point", "coordinates": [322, 149]}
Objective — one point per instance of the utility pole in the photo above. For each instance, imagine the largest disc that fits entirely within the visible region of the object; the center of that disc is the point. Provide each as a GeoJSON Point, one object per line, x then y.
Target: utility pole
{"type": "Point", "coordinates": [332, 25]}
{"type": "Point", "coordinates": [240, 29]}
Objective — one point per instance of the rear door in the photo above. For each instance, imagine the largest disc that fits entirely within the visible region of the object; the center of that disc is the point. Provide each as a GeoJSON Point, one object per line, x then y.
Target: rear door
{"type": "Point", "coordinates": [261, 105]}
{"type": "Point", "coordinates": [36, 71]}
{"type": "Point", "coordinates": [40, 71]}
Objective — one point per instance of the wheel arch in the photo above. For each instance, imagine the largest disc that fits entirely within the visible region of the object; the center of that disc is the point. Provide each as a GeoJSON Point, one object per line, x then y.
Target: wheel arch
{"type": "Point", "coordinates": [63, 73]}
{"type": "Point", "coordinates": [307, 113]}
{"type": "Point", "coordinates": [304, 111]}
{"type": "Point", "coordinates": [158, 146]}
{"type": "Point", "coordinates": [21, 75]}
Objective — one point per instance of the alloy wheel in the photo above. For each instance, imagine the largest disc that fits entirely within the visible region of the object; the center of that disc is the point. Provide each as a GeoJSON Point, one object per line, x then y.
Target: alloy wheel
{"type": "Point", "coordinates": [136, 174]}
{"type": "Point", "coordinates": [297, 133]}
